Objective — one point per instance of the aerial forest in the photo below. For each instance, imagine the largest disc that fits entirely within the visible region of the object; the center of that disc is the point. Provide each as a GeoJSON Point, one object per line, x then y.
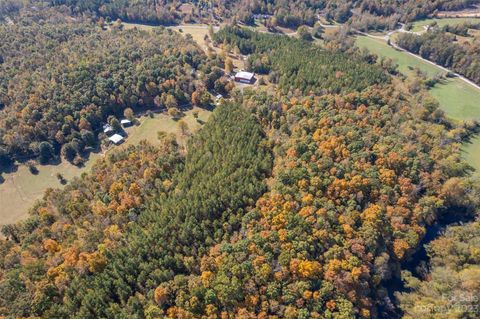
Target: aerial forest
{"type": "Point", "coordinates": [306, 194]}
{"type": "Point", "coordinates": [56, 104]}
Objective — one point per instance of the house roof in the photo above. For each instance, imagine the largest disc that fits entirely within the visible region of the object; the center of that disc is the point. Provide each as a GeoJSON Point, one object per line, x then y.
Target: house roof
{"type": "Point", "coordinates": [245, 75]}
{"type": "Point", "coordinates": [107, 128]}
{"type": "Point", "coordinates": [116, 138]}
{"type": "Point", "coordinates": [125, 121]}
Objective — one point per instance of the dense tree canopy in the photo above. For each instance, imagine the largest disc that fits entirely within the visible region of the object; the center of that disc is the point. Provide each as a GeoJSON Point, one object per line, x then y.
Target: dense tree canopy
{"type": "Point", "coordinates": [71, 230]}
{"type": "Point", "coordinates": [348, 204]}
{"type": "Point", "coordinates": [291, 14]}
{"type": "Point", "coordinates": [300, 199]}
{"type": "Point", "coordinates": [452, 289]}
{"type": "Point", "coordinates": [60, 82]}
{"type": "Point", "coordinates": [297, 64]}
{"type": "Point", "coordinates": [223, 174]}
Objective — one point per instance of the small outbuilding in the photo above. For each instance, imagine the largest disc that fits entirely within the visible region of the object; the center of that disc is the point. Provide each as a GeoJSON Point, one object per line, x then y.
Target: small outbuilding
{"type": "Point", "coordinates": [245, 77]}
{"type": "Point", "coordinates": [126, 123]}
{"type": "Point", "coordinates": [116, 139]}
{"type": "Point", "coordinates": [108, 129]}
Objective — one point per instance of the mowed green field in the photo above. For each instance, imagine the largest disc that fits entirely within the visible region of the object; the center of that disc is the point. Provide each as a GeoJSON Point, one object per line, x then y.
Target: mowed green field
{"type": "Point", "coordinates": [459, 100]}
{"type": "Point", "coordinates": [420, 25]}
{"type": "Point", "coordinates": [21, 188]}
{"type": "Point", "coordinates": [405, 62]}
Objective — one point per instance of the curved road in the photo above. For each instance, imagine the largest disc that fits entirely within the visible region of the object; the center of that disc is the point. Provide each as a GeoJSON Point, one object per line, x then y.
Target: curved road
{"type": "Point", "coordinates": [389, 39]}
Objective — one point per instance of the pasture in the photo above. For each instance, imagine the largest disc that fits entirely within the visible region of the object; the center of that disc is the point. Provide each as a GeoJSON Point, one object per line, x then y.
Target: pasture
{"type": "Point", "coordinates": [458, 99]}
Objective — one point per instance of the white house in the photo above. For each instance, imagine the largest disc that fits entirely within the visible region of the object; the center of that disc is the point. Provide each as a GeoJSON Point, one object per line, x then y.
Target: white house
{"type": "Point", "coordinates": [126, 123]}
{"type": "Point", "coordinates": [116, 139]}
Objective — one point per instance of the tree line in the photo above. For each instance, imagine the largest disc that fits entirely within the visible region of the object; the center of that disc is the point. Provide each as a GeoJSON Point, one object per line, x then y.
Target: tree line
{"type": "Point", "coordinates": [370, 14]}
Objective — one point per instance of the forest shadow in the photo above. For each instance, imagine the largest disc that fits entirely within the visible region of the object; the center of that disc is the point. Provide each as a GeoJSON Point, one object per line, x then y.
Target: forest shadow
{"type": "Point", "coordinates": [418, 262]}
{"type": "Point", "coordinates": [8, 169]}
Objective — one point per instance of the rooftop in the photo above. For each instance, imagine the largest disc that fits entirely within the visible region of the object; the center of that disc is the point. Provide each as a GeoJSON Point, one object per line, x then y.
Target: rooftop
{"type": "Point", "coordinates": [116, 138]}
{"type": "Point", "coordinates": [107, 128]}
{"type": "Point", "coordinates": [245, 75]}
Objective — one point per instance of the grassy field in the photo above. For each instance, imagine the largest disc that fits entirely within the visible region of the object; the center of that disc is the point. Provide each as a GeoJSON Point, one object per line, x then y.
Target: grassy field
{"type": "Point", "coordinates": [458, 99]}
{"type": "Point", "coordinates": [149, 127]}
{"type": "Point", "coordinates": [21, 188]}
{"type": "Point", "coordinates": [419, 25]}
{"type": "Point", "coordinates": [405, 62]}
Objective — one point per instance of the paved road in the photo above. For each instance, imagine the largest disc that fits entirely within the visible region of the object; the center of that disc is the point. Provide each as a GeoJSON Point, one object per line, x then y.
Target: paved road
{"type": "Point", "coordinates": [389, 39]}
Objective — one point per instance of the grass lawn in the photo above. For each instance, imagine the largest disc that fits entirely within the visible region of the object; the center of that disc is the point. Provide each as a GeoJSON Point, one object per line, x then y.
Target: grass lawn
{"type": "Point", "coordinates": [21, 188]}
{"type": "Point", "coordinates": [471, 153]}
{"type": "Point", "coordinates": [419, 25]}
{"type": "Point", "coordinates": [149, 127]}
{"type": "Point", "coordinates": [405, 61]}
{"type": "Point", "coordinates": [458, 99]}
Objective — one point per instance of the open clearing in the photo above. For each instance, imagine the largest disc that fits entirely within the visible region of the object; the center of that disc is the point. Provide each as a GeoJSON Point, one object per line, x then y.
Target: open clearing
{"type": "Point", "coordinates": [419, 25]}
{"type": "Point", "coordinates": [458, 99]}
{"type": "Point", "coordinates": [21, 188]}
{"type": "Point", "coordinates": [198, 31]}
{"type": "Point", "coordinates": [149, 127]}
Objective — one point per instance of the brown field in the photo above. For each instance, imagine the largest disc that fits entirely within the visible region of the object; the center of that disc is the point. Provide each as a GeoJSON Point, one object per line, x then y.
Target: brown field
{"type": "Point", "coordinates": [21, 188]}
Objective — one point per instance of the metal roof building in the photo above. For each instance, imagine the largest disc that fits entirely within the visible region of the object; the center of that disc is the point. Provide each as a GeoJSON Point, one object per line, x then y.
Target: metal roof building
{"type": "Point", "coordinates": [245, 77]}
